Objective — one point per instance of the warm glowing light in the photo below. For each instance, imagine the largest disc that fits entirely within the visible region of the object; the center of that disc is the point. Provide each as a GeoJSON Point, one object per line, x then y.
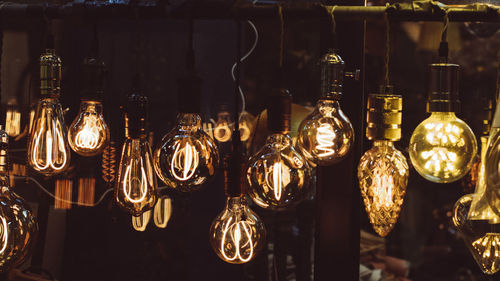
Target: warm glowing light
{"type": "Point", "coordinates": [4, 234]}
{"type": "Point", "coordinates": [241, 235]}
{"type": "Point", "coordinates": [222, 132]}
{"type": "Point", "coordinates": [442, 148]}
{"type": "Point", "coordinates": [325, 136]}
{"type": "Point", "coordinates": [489, 245]}
{"type": "Point", "coordinates": [88, 136]}
{"type": "Point", "coordinates": [135, 189]}
{"type": "Point", "coordinates": [383, 186]}
{"type": "Point", "coordinates": [13, 122]}
{"type": "Point", "coordinates": [186, 160]}
{"type": "Point", "coordinates": [244, 131]}
{"type": "Point", "coordinates": [162, 212]}
{"type": "Point", "coordinates": [277, 178]}
{"type": "Point", "coordinates": [51, 155]}
{"type": "Point", "coordinates": [140, 223]}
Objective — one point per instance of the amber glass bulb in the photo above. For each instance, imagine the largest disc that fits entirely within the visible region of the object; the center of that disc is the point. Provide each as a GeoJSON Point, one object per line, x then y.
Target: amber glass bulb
{"type": "Point", "coordinates": [237, 233]}
{"type": "Point", "coordinates": [187, 156]}
{"type": "Point", "coordinates": [278, 176]}
{"type": "Point", "coordinates": [383, 176]}
{"type": "Point", "coordinates": [88, 135]}
{"type": "Point", "coordinates": [326, 135]}
{"type": "Point", "coordinates": [223, 127]}
{"type": "Point", "coordinates": [135, 189]}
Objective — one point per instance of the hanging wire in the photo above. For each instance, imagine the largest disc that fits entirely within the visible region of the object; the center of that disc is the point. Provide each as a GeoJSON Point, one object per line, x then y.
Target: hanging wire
{"type": "Point", "coordinates": [282, 33]}
{"type": "Point", "coordinates": [237, 83]}
{"type": "Point", "coordinates": [387, 47]}
{"type": "Point", "coordinates": [331, 10]}
{"type": "Point", "coordinates": [443, 45]}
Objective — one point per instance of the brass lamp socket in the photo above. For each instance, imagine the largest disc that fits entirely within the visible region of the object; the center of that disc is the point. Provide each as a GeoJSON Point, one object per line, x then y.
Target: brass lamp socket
{"type": "Point", "coordinates": [384, 114]}
{"type": "Point", "coordinates": [443, 88]}
{"type": "Point", "coordinates": [332, 75]}
{"type": "Point", "coordinates": [50, 74]}
{"type": "Point", "coordinates": [136, 116]}
{"type": "Point", "coordinates": [279, 111]}
{"type": "Point", "coordinates": [93, 79]}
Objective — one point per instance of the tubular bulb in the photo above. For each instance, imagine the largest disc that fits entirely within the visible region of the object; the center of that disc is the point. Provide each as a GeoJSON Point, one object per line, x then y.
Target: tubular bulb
{"type": "Point", "coordinates": [186, 157]}
{"type": "Point", "coordinates": [442, 148]}
{"type": "Point", "coordinates": [89, 134]}
{"type": "Point", "coordinates": [237, 233]}
{"type": "Point", "coordinates": [140, 222]}
{"type": "Point", "coordinates": [162, 211]}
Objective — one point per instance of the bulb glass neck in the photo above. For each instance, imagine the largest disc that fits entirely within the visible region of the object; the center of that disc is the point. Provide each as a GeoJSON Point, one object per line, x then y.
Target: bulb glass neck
{"type": "Point", "coordinates": [278, 141]}
{"type": "Point", "coordinates": [443, 115]}
{"type": "Point", "coordinates": [235, 204]}
{"type": "Point", "coordinates": [50, 74]}
{"type": "Point", "coordinates": [91, 106]}
{"type": "Point", "coordinates": [189, 121]}
{"type": "Point", "coordinates": [327, 107]}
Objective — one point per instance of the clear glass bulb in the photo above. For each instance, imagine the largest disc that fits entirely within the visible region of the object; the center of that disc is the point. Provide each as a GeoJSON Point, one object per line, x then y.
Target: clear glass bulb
{"type": "Point", "coordinates": [187, 156]}
{"type": "Point", "coordinates": [88, 135]}
{"type": "Point", "coordinates": [48, 150]}
{"type": "Point", "coordinates": [237, 233]}
{"type": "Point", "coordinates": [326, 135]}
{"type": "Point", "coordinates": [246, 125]}
{"type": "Point", "coordinates": [383, 175]}
{"type": "Point", "coordinates": [480, 236]}
{"type": "Point", "coordinates": [442, 148]}
{"type": "Point", "coordinates": [136, 189]}
{"type": "Point", "coordinates": [222, 130]}
{"type": "Point", "coordinates": [162, 211]}
{"type": "Point", "coordinates": [278, 176]}
{"type": "Point", "coordinates": [140, 222]}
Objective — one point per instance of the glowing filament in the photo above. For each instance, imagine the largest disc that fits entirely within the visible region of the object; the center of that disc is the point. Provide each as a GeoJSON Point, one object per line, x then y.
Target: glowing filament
{"type": "Point", "coordinates": [240, 234]}
{"type": "Point", "coordinates": [13, 122]}
{"type": "Point", "coordinates": [488, 246]}
{"type": "Point", "coordinates": [130, 183]}
{"type": "Point", "coordinates": [383, 188]}
{"type": "Point", "coordinates": [186, 160]}
{"type": "Point", "coordinates": [277, 178]}
{"type": "Point", "coordinates": [141, 222]}
{"type": "Point", "coordinates": [4, 234]}
{"type": "Point", "coordinates": [52, 149]}
{"type": "Point", "coordinates": [88, 136]}
{"type": "Point", "coordinates": [162, 212]}
{"type": "Point", "coordinates": [222, 132]}
{"type": "Point", "coordinates": [325, 136]}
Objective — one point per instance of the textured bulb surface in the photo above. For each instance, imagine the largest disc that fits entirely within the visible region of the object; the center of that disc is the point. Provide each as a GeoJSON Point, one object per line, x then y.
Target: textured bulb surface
{"type": "Point", "coordinates": [326, 135]}
{"type": "Point", "coordinates": [492, 171]}
{"type": "Point", "coordinates": [383, 176]}
{"type": "Point", "coordinates": [88, 135]}
{"type": "Point", "coordinates": [481, 238]}
{"type": "Point", "coordinates": [187, 157]}
{"type": "Point", "coordinates": [278, 176]}
{"type": "Point", "coordinates": [48, 150]}
{"type": "Point", "coordinates": [18, 230]}
{"type": "Point", "coordinates": [442, 148]}
{"type": "Point", "coordinates": [237, 233]}
{"type": "Point", "coordinates": [135, 189]}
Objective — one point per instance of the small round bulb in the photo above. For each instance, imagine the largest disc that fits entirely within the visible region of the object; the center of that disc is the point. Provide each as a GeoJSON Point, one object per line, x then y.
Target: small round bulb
{"type": "Point", "coordinates": [442, 148]}
{"type": "Point", "coordinates": [88, 135]}
{"type": "Point", "coordinates": [222, 130]}
{"type": "Point", "coordinates": [187, 157]}
{"type": "Point", "coordinates": [237, 233]}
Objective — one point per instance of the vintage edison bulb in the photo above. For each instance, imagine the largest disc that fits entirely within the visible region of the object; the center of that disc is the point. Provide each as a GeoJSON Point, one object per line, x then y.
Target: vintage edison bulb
{"type": "Point", "coordinates": [48, 150]}
{"type": "Point", "coordinates": [278, 176]}
{"type": "Point", "coordinates": [383, 176]}
{"type": "Point", "coordinates": [480, 236]}
{"type": "Point", "coordinates": [89, 133]}
{"type": "Point", "coordinates": [222, 130]}
{"type": "Point", "coordinates": [140, 222]}
{"type": "Point", "coordinates": [162, 211]}
{"type": "Point", "coordinates": [187, 156]}
{"type": "Point", "coordinates": [246, 125]}
{"type": "Point", "coordinates": [237, 233]}
{"type": "Point", "coordinates": [326, 135]}
{"type": "Point", "coordinates": [135, 189]}
{"type": "Point", "coordinates": [18, 224]}
{"type": "Point", "coordinates": [442, 148]}
{"type": "Point", "coordinates": [13, 121]}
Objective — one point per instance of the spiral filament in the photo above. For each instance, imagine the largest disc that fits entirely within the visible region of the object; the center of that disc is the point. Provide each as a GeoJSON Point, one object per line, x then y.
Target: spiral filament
{"type": "Point", "coordinates": [277, 178]}
{"type": "Point", "coordinates": [109, 163]}
{"type": "Point", "coordinates": [185, 160]}
{"type": "Point", "coordinates": [488, 248]}
{"type": "Point", "coordinates": [13, 122]}
{"type": "Point", "coordinates": [237, 238]}
{"type": "Point", "coordinates": [325, 137]}
{"type": "Point", "coordinates": [4, 234]}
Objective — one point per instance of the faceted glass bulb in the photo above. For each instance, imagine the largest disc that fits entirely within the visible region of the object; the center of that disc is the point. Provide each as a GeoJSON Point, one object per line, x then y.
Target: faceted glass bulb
{"type": "Point", "coordinates": [186, 157]}
{"type": "Point", "coordinates": [326, 135]}
{"type": "Point", "coordinates": [237, 233]}
{"type": "Point", "coordinates": [442, 148]}
{"type": "Point", "coordinates": [48, 150]}
{"type": "Point", "coordinates": [18, 230]}
{"type": "Point", "coordinates": [481, 238]}
{"type": "Point", "coordinates": [88, 135]}
{"type": "Point", "coordinates": [492, 171]}
{"type": "Point", "coordinates": [135, 189]}
{"type": "Point", "coordinates": [246, 125]}
{"type": "Point", "coordinates": [140, 222]}
{"type": "Point", "coordinates": [278, 176]}
{"type": "Point", "coordinates": [162, 211]}
{"type": "Point", "coordinates": [383, 176]}
{"type": "Point", "coordinates": [222, 130]}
